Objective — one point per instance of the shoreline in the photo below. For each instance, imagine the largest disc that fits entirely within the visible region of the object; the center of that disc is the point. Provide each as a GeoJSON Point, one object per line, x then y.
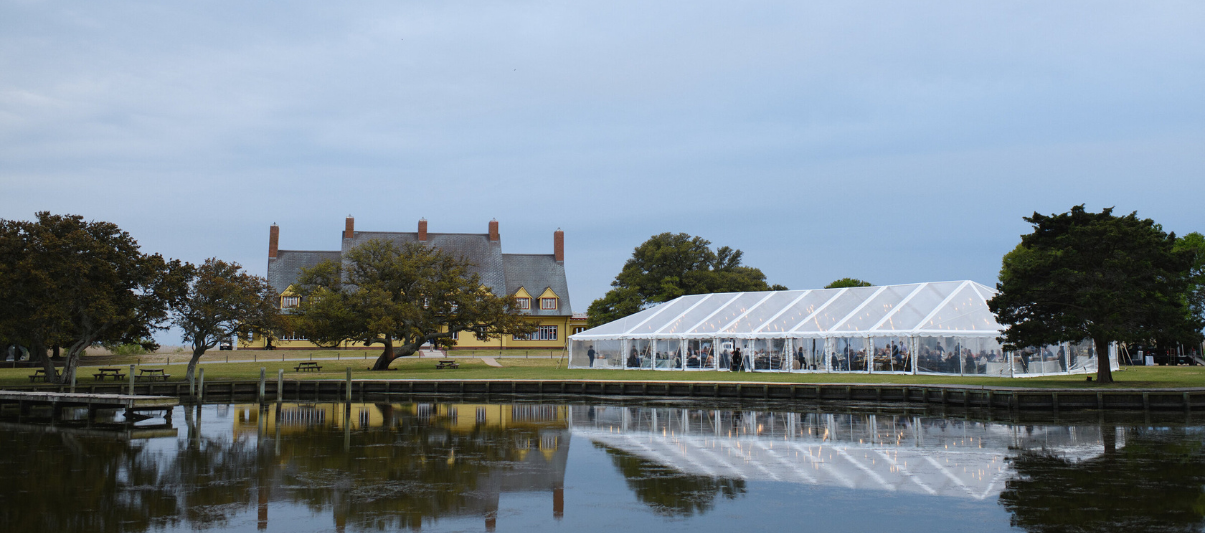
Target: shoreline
{"type": "Point", "coordinates": [988, 397]}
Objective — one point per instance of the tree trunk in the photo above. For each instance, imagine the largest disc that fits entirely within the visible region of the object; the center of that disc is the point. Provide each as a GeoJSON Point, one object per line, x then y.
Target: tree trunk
{"type": "Point", "coordinates": [197, 352]}
{"type": "Point", "coordinates": [52, 375]}
{"type": "Point", "coordinates": [1104, 371]}
{"type": "Point", "coordinates": [72, 364]}
{"type": "Point", "coordinates": [386, 357]}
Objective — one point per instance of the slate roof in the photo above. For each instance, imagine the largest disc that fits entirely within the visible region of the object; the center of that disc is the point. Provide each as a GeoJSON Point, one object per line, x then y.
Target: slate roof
{"type": "Point", "coordinates": [476, 247]}
{"type": "Point", "coordinates": [502, 273]}
{"type": "Point", "coordinates": [536, 272]}
{"type": "Point", "coordinates": [286, 266]}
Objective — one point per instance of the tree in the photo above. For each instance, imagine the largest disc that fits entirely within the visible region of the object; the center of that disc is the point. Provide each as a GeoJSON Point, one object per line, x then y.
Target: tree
{"type": "Point", "coordinates": [1086, 275]}
{"type": "Point", "coordinates": [405, 296]}
{"type": "Point", "coordinates": [1193, 245]}
{"type": "Point", "coordinates": [670, 265]}
{"type": "Point", "coordinates": [847, 282]}
{"type": "Point", "coordinates": [68, 282]}
{"type": "Point", "coordinates": [223, 301]}
{"type": "Point", "coordinates": [1153, 483]}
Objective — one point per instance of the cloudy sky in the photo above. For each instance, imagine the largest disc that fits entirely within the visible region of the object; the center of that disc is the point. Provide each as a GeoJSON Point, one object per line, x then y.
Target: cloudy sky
{"type": "Point", "coordinates": [891, 141]}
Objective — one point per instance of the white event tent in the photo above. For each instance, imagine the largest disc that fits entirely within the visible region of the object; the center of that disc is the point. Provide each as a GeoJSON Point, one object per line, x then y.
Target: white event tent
{"type": "Point", "coordinates": [926, 328]}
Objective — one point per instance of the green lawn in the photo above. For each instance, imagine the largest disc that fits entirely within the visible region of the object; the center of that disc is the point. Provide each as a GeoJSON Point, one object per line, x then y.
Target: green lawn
{"type": "Point", "coordinates": [541, 368]}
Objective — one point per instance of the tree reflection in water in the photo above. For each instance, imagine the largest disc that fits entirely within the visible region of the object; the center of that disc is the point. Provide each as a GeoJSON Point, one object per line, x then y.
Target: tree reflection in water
{"type": "Point", "coordinates": [1153, 483]}
{"type": "Point", "coordinates": [668, 491]}
{"type": "Point", "coordinates": [391, 466]}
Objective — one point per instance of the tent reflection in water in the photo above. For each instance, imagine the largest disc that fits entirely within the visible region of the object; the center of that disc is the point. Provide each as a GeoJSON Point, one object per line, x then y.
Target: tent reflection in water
{"type": "Point", "coordinates": [920, 328]}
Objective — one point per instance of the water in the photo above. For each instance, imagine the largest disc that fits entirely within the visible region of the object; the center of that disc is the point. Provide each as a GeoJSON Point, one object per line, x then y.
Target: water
{"type": "Point", "coordinates": [462, 466]}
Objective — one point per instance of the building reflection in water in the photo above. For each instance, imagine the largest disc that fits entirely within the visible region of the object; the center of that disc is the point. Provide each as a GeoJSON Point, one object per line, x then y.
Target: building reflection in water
{"type": "Point", "coordinates": [422, 460]}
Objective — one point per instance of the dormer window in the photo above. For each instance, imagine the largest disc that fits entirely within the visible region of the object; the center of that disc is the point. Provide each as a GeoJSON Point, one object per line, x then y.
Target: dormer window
{"type": "Point", "coordinates": [548, 303]}
{"type": "Point", "coordinates": [289, 302]}
{"type": "Point", "coordinates": [523, 303]}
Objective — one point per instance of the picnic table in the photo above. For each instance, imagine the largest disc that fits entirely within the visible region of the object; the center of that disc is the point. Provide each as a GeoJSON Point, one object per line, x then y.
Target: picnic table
{"type": "Point", "coordinates": [152, 374]}
{"type": "Point", "coordinates": [307, 366]}
{"type": "Point", "coordinates": [39, 373]}
{"type": "Point", "coordinates": [102, 373]}
{"type": "Point", "coordinates": [447, 364]}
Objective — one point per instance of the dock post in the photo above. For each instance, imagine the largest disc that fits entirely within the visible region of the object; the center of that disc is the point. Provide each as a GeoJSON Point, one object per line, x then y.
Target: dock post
{"type": "Point", "coordinates": [349, 383]}
{"type": "Point", "coordinates": [201, 386]}
{"type": "Point", "coordinates": [280, 385]}
{"type": "Point", "coordinates": [262, 374]}
{"type": "Point", "coordinates": [132, 380]}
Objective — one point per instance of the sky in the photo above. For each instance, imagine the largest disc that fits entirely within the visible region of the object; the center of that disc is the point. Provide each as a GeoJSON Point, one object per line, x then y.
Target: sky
{"type": "Point", "coordinates": [895, 142]}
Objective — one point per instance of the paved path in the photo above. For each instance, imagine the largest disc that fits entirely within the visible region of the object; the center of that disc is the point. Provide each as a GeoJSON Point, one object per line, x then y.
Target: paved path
{"type": "Point", "coordinates": [491, 362]}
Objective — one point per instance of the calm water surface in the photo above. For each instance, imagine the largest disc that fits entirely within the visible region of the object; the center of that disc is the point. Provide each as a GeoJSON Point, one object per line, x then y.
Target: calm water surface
{"type": "Point", "coordinates": [298, 467]}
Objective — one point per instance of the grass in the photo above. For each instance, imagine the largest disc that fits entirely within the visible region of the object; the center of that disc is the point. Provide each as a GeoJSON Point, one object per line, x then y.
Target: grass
{"type": "Point", "coordinates": [243, 368]}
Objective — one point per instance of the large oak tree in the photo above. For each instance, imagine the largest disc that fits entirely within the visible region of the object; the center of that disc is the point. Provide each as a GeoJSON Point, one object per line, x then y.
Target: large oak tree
{"type": "Point", "coordinates": [1083, 275]}
{"type": "Point", "coordinates": [69, 282]}
{"type": "Point", "coordinates": [670, 265]}
{"type": "Point", "coordinates": [222, 302]}
{"type": "Point", "coordinates": [400, 297]}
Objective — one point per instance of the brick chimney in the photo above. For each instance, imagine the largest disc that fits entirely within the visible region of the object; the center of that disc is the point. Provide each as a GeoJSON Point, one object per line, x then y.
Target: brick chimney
{"type": "Point", "coordinates": [494, 237]}
{"type": "Point", "coordinates": [422, 230]}
{"type": "Point", "coordinates": [558, 245]}
{"type": "Point", "coordinates": [273, 240]}
{"type": "Point", "coordinates": [349, 228]}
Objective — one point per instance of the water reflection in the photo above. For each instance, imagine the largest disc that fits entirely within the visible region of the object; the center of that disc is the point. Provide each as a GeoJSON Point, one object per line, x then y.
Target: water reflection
{"type": "Point", "coordinates": [934, 456]}
{"type": "Point", "coordinates": [386, 466]}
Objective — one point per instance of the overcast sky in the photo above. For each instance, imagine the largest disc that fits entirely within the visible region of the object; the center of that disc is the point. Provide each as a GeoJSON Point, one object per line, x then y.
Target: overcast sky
{"type": "Point", "coordinates": [891, 141]}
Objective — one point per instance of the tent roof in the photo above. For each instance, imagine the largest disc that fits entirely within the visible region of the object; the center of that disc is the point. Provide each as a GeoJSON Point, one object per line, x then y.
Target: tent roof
{"type": "Point", "coordinates": [954, 308]}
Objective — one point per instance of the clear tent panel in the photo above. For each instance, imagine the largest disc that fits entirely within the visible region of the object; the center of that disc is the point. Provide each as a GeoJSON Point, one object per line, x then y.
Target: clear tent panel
{"type": "Point", "coordinates": [991, 360]}
{"type": "Point", "coordinates": [667, 355]}
{"type": "Point", "coordinates": [881, 305]}
{"type": "Point", "coordinates": [721, 319]}
{"type": "Point", "coordinates": [622, 325]}
{"type": "Point", "coordinates": [1082, 358]}
{"type": "Point", "coordinates": [700, 354]}
{"type": "Point", "coordinates": [607, 354]}
{"type": "Point", "coordinates": [1038, 361]}
{"type": "Point", "coordinates": [807, 354]}
{"type": "Point", "coordinates": [919, 306]}
{"type": "Point", "coordinates": [938, 355]}
{"type": "Point", "coordinates": [667, 313]}
{"type": "Point", "coordinates": [849, 354]}
{"type": "Point", "coordinates": [769, 354]}
{"type": "Point", "coordinates": [890, 354]}
{"type": "Point", "coordinates": [577, 354]}
{"type": "Point", "coordinates": [800, 310]}
{"type": "Point", "coordinates": [683, 322]}
{"type": "Point", "coordinates": [764, 311]}
{"type": "Point", "coordinates": [640, 353]}
{"type": "Point", "coordinates": [965, 311]}
{"type": "Point", "coordinates": [836, 311]}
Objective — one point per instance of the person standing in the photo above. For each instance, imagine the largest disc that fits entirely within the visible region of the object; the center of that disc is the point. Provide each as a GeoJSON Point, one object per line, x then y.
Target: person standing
{"type": "Point", "coordinates": [737, 360]}
{"type": "Point", "coordinates": [590, 354]}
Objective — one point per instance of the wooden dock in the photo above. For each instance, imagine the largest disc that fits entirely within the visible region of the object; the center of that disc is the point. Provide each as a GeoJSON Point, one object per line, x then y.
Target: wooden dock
{"type": "Point", "coordinates": [26, 400]}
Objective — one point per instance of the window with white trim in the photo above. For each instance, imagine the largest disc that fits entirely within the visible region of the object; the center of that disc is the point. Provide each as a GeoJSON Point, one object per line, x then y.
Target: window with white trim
{"type": "Point", "coordinates": [548, 303]}
{"type": "Point", "coordinates": [578, 329]}
{"type": "Point", "coordinates": [289, 302]}
{"type": "Point", "coordinates": [544, 333]}
{"type": "Point", "coordinates": [292, 336]}
{"type": "Point", "coordinates": [523, 303]}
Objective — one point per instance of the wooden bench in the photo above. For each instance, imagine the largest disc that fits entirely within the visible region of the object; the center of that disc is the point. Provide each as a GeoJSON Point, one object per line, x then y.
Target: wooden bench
{"type": "Point", "coordinates": [102, 373]}
{"type": "Point", "coordinates": [307, 366]}
{"type": "Point", "coordinates": [152, 374]}
{"type": "Point", "coordinates": [447, 364]}
{"type": "Point", "coordinates": [38, 374]}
